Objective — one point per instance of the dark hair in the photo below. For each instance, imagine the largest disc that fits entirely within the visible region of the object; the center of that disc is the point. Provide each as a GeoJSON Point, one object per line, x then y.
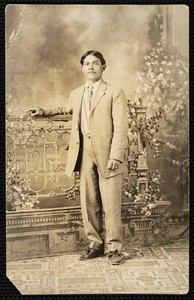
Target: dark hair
{"type": "Point", "coordinates": [94, 53]}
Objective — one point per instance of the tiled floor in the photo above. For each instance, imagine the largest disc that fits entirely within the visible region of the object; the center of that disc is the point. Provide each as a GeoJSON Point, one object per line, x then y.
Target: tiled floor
{"type": "Point", "coordinates": [154, 270]}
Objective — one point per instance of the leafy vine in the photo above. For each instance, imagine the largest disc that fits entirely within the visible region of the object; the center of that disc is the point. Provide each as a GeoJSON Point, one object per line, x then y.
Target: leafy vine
{"type": "Point", "coordinates": [19, 195]}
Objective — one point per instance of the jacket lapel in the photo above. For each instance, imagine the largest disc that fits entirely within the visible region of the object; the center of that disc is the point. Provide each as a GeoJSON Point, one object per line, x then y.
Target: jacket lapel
{"type": "Point", "coordinates": [78, 101]}
{"type": "Point", "coordinates": [101, 91]}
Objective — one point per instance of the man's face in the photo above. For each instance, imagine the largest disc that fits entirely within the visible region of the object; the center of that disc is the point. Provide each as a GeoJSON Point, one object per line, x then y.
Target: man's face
{"type": "Point", "coordinates": [92, 68]}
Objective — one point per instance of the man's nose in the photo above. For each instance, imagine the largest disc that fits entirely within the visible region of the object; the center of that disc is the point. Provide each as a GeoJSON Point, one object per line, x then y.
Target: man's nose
{"type": "Point", "coordinates": [91, 66]}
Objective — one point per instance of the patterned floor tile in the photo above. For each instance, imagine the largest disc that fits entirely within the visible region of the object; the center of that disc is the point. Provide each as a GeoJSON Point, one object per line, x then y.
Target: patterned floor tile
{"type": "Point", "coordinates": [155, 270]}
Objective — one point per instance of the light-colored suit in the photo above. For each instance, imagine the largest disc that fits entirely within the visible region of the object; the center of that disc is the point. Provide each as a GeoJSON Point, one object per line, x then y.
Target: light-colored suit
{"type": "Point", "coordinates": [108, 127]}
{"type": "Point", "coordinates": [99, 186]}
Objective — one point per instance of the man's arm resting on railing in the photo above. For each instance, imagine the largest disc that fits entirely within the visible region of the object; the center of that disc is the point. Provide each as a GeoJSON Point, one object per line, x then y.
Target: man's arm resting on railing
{"type": "Point", "coordinates": [40, 112]}
{"type": "Point", "coordinates": [56, 111]}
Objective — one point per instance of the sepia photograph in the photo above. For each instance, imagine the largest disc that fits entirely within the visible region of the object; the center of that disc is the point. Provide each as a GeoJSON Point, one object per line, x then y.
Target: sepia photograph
{"type": "Point", "coordinates": [97, 149]}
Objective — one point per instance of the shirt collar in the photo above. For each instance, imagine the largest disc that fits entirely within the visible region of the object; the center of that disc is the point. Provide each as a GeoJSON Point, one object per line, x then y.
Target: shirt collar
{"type": "Point", "coordinates": [95, 85]}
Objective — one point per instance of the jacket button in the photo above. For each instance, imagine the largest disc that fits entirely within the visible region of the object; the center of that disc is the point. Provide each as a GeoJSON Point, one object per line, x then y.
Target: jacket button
{"type": "Point", "coordinates": [77, 143]}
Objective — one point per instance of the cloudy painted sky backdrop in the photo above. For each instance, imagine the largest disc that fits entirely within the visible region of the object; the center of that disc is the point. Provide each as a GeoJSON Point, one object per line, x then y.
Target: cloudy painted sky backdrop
{"type": "Point", "coordinates": [45, 43]}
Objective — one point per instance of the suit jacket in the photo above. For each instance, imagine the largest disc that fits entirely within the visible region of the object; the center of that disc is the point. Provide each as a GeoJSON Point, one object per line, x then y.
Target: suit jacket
{"type": "Point", "coordinates": [108, 128]}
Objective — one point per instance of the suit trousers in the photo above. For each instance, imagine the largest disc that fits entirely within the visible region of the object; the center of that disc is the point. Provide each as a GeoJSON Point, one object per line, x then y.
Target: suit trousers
{"type": "Point", "coordinates": [99, 193]}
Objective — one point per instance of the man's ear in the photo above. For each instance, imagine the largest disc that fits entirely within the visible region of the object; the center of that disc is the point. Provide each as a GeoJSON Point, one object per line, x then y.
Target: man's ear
{"type": "Point", "coordinates": [81, 67]}
{"type": "Point", "coordinates": [103, 67]}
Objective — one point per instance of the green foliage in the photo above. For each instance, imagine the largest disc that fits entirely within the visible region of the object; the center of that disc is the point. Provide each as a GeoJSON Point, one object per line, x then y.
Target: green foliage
{"type": "Point", "coordinates": [163, 82]}
{"type": "Point", "coordinates": [163, 88]}
{"type": "Point", "coordinates": [163, 77]}
{"type": "Point", "coordinates": [18, 193]}
{"type": "Point", "coordinates": [148, 128]}
{"type": "Point", "coordinates": [149, 198]}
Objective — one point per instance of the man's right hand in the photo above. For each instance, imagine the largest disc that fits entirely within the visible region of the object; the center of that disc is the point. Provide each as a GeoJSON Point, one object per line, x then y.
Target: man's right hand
{"type": "Point", "coordinates": [37, 111]}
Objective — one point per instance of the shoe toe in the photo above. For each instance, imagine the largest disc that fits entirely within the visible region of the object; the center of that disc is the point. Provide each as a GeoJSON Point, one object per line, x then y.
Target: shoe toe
{"type": "Point", "coordinates": [116, 261]}
{"type": "Point", "coordinates": [115, 258]}
{"type": "Point", "coordinates": [91, 253]}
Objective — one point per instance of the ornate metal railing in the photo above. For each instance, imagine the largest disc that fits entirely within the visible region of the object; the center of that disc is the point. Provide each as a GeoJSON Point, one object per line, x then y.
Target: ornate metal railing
{"type": "Point", "coordinates": [38, 148]}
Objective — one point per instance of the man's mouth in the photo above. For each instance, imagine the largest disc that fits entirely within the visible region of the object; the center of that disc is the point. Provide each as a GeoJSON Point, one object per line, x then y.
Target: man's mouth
{"type": "Point", "coordinates": [91, 72]}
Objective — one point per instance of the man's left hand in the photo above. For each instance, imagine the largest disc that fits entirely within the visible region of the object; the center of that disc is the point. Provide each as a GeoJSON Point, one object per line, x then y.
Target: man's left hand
{"type": "Point", "coordinates": [113, 164]}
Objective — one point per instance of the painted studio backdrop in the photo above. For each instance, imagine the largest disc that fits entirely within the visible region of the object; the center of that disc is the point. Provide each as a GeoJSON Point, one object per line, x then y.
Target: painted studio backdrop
{"type": "Point", "coordinates": [146, 50]}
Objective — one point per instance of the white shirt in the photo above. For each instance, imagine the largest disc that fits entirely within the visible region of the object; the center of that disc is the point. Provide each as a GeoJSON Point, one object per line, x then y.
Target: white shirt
{"type": "Point", "coordinates": [94, 86]}
{"type": "Point", "coordinates": [85, 114]}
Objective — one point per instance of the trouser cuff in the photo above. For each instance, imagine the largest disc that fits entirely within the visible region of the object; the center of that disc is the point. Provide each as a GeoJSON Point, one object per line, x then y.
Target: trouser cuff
{"type": "Point", "coordinates": [96, 245]}
{"type": "Point", "coordinates": [115, 246]}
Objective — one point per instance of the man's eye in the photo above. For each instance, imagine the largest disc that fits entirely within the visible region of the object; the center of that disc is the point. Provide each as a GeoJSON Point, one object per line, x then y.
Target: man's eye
{"type": "Point", "coordinates": [96, 63]}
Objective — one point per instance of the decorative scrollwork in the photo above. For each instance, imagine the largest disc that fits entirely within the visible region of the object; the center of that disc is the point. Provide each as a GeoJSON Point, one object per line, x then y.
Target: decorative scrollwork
{"type": "Point", "coordinates": [38, 148]}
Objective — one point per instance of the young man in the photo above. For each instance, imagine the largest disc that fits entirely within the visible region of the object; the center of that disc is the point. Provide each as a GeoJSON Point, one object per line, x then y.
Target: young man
{"type": "Point", "coordinates": [96, 150]}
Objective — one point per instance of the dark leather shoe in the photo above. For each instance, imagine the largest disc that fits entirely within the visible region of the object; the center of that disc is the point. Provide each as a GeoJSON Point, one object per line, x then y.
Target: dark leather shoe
{"type": "Point", "coordinates": [91, 253]}
{"type": "Point", "coordinates": [115, 258]}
